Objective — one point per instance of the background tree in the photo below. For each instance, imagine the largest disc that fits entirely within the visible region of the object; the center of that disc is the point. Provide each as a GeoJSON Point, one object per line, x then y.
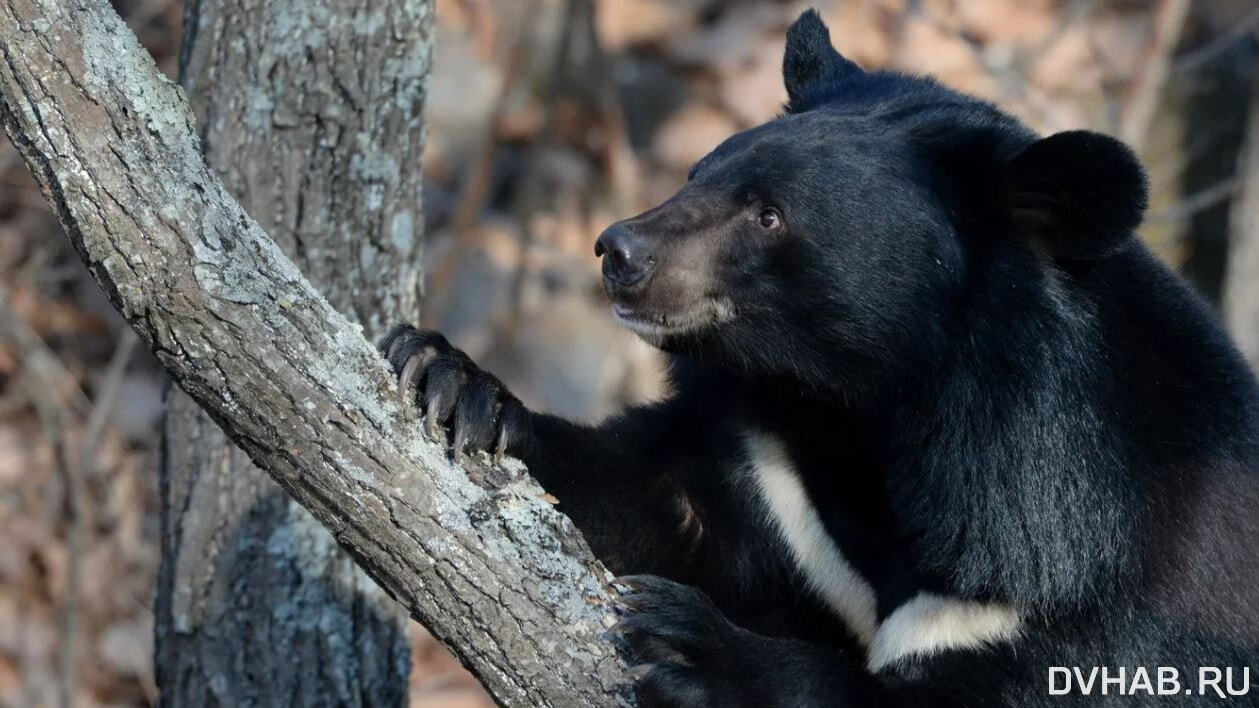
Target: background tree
{"type": "Point", "coordinates": [1241, 286]}
{"type": "Point", "coordinates": [311, 111]}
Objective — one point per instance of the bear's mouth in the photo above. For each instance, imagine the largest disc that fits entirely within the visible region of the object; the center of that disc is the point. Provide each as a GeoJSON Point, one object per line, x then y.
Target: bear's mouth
{"type": "Point", "coordinates": [654, 326]}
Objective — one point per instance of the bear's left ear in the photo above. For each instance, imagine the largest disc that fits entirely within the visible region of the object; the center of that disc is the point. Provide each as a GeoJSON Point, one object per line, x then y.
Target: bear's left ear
{"type": "Point", "coordinates": [810, 62]}
{"type": "Point", "coordinates": [1082, 193]}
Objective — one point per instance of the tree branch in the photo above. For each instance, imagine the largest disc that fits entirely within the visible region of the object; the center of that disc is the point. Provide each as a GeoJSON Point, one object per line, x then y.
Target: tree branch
{"type": "Point", "coordinates": [491, 569]}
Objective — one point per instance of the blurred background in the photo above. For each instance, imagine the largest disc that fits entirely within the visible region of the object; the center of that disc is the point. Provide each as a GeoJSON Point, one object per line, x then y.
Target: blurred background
{"type": "Point", "coordinates": [548, 120]}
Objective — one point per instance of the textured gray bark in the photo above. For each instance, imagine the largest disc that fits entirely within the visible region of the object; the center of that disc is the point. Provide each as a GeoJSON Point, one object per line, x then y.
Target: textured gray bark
{"type": "Point", "coordinates": [311, 113]}
{"type": "Point", "coordinates": [488, 566]}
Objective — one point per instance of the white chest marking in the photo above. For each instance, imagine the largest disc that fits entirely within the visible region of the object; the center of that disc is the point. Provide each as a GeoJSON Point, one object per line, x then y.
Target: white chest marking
{"type": "Point", "coordinates": [826, 570]}
{"type": "Point", "coordinates": [930, 623]}
{"type": "Point", "coordinates": [924, 625]}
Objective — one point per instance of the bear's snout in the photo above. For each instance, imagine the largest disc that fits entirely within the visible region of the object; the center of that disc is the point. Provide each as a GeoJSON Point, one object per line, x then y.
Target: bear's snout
{"type": "Point", "coordinates": [627, 258]}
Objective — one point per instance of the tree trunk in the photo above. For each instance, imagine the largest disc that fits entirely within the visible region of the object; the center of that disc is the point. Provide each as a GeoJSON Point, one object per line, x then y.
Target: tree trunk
{"type": "Point", "coordinates": [1241, 284]}
{"type": "Point", "coordinates": [482, 560]}
{"type": "Point", "coordinates": [311, 113]}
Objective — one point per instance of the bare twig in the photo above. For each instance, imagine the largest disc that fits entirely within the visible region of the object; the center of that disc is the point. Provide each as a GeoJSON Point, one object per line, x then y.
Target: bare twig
{"type": "Point", "coordinates": [472, 196]}
{"type": "Point", "coordinates": [1167, 169]}
{"type": "Point", "coordinates": [44, 380]}
{"type": "Point", "coordinates": [531, 191]}
{"type": "Point", "coordinates": [1146, 89]}
{"type": "Point", "coordinates": [1198, 202]}
{"type": "Point", "coordinates": [123, 351]}
{"type": "Point", "coordinates": [46, 389]}
{"type": "Point", "coordinates": [477, 183]}
{"type": "Point", "coordinates": [1193, 60]}
{"type": "Point", "coordinates": [75, 506]}
{"type": "Point", "coordinates": [1074, 12]}
{"type": "Point", "coordinates": [38, 359]}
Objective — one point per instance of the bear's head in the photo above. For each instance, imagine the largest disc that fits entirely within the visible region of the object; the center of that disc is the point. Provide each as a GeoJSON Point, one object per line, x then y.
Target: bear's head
{"type": "Point", "coordinates": [844, 236]}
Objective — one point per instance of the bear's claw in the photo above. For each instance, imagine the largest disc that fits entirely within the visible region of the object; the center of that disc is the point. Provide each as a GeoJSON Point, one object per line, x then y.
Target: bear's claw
{"type": "Point", "coordinates": [451, 390]}
{"type": "Point", "coordinates": [678, 641]}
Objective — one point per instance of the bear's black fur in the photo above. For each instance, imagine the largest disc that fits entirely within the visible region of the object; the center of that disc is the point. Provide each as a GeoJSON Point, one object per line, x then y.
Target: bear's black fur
{"type": "Point", "coordinates": [939, 422]}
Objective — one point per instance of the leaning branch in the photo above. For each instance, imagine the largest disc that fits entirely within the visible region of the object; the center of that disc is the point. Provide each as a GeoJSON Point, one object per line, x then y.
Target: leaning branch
{"type": "Point", "coordinates": [490, 568]}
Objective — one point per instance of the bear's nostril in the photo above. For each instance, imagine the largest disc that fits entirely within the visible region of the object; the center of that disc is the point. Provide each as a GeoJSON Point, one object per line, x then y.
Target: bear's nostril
{"type": "Point", "coordinates": [618, 267]}
{"type": "Point", "coordinates": [627, 259]}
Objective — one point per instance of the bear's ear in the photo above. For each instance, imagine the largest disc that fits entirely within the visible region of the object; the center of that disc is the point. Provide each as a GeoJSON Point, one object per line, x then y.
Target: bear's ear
{"type": "Point", "coordinates": [1082, 193]}
{"type": "Point", "coordinates": [810, 62]}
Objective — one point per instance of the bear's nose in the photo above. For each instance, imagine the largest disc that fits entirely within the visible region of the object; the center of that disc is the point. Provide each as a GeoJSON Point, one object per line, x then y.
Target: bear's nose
{"type": "Point", "coordinates": [627, 259]}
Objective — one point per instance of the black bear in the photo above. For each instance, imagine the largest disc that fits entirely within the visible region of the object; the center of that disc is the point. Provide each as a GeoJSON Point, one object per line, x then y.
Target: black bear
{"type": "Point", "coordinates": [942, 431]}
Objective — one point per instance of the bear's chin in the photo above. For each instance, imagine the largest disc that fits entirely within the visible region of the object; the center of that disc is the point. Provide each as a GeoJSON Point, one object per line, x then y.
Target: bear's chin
{"type": "Point", "coordinates": [662, 329]}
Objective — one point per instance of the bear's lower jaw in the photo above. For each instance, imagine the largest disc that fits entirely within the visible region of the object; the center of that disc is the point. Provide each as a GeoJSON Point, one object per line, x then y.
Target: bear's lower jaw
{"type": "Point", "coordinates": [654, 327]}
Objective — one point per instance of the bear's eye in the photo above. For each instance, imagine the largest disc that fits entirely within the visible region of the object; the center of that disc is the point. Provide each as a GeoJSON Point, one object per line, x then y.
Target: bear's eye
{"type": "Point", "coordinates": [770, 218]}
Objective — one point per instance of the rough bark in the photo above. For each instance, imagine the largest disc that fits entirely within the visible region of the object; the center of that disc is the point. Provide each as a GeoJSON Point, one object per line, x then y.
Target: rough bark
{"type": "Point", "coordinates": [311, 113]}
{"type": "Point", "coordinates": [482, 560]}
{"type": "Point", "coordinates": [1241, 282]}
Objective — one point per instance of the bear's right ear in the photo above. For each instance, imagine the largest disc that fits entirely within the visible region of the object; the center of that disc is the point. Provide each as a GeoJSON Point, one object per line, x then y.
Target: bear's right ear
{"type": "Point", "coordinates": [810, 62]}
